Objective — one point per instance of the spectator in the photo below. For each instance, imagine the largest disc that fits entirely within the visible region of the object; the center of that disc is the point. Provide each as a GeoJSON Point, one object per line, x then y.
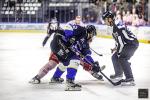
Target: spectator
{"type": "Point", "coordinates": [135, 19]}
{"type": "Point", "coordinates": [141, 20]}
{"type": "Point", "coordinates": [124, 17]}
{"type": "Point", "coordinates": [128, 18]}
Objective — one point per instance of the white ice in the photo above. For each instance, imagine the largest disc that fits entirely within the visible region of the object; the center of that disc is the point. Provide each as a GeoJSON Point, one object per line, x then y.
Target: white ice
{"type": "Point", "coordinates": [22, 55]}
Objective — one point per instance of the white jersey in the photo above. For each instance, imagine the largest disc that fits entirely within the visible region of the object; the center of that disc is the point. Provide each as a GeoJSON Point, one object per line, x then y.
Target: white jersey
{"type": "Point", "coordinates": [71, 25]}
{"type": "Point", "coordinates": [74, 25]}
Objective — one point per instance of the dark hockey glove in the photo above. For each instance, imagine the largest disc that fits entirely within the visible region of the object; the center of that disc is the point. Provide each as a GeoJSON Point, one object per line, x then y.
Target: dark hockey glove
{"type": "Point", "coordinates": [96, 67]}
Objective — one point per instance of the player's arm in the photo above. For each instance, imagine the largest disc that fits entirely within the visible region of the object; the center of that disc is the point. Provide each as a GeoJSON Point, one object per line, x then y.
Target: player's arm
{"type": "Point", "coordinates": [47, 36]}
{"type": "Point", "coordinates": [45, 40]}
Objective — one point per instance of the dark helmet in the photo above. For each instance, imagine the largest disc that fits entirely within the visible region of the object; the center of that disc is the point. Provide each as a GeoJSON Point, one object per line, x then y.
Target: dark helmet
{"type": "Point", "coordinates": [91, 31]}
{"type": "Point", "coordinates": [54, 24]}
{"type": "Point", "coordinates": [107, 14]}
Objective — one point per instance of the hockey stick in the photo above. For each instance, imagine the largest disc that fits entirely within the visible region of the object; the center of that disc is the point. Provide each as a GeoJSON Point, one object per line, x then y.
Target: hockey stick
{"type": "Point", "coordinates": [96, 52]}
{"type": "Point", "coordinates": [115, 84]}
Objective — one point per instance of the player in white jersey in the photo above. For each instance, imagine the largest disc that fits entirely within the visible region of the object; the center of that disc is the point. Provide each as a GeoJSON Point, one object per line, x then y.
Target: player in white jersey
{"type": "Point", "coordinates": [76, 21]}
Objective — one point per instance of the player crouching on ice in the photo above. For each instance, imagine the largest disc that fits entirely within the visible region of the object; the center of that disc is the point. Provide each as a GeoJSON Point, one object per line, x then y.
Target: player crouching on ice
{"type": "Point", "coordinates": [126, 45]}
{"type": "Point", "coordinates": [80, 48]}
{"type": "Point", "coordinates": [64, 46]}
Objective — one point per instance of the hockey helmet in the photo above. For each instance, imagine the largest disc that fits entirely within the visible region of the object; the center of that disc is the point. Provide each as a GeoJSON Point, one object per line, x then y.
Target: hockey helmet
{"type": "Point", "coordinates": [91, 31]}
{"type": "Point", "coordinates": [108, 14]}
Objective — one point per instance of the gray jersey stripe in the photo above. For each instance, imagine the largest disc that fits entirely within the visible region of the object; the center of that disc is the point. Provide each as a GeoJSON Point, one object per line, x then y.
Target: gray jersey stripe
{"type": "Point", "coordinates": [126, 35]}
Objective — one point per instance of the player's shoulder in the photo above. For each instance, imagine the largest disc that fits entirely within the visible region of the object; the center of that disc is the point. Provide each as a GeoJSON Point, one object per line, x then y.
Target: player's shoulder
{"type": "Point", "coordinates": [71, 22]}
{"type": "Point", "coordinates": [120, 24]}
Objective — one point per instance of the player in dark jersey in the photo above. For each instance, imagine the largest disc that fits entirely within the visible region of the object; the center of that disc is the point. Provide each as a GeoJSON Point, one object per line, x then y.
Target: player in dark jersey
{"type": "Point", "coordinates": [53, 27]}
{"type": "Point", "coordinates": [126, 45]}
{"type": "Point", "coordinates": [74, 45]}
{"type": "Point", "coordinates": [63, 45]}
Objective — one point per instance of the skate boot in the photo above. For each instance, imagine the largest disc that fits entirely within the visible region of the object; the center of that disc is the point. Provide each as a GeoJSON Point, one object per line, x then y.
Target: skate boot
{"type": "Point", "coordinates": [56, 80]}
{"type": "Point", "coordinates": [71, 86]}
{"type": "Point", "coordinates": [116, 77]}
{"type": "Point", "coordinates": [35, 80]}
{"type": "Point", "coordinates": [127, 82]}
{"type": "Point", "coordinates": [96, 75]}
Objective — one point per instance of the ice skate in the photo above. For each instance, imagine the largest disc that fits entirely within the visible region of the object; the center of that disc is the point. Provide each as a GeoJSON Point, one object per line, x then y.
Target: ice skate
{"type": "Point", "coordinates": [127, 82]}
{"type": "Point", "coordinates": [116, 77]}
{"type": "Point", "coordinates": [97, 76]}
{"type": "Point", "coordinates": [71, 86]}
{"type": "Point", "coordinates": [35, 80]}
{"type": "Point", "coordinates": [56, 80]}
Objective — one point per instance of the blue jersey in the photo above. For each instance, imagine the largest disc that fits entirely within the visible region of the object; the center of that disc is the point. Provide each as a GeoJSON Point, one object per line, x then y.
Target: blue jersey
{"type": "Point", "coordinates": [62, 47]}
{"type": "Point", "coordinates": [123, 37]}
{"type": "Point", "coordinates": [82, 47]}
{"type": "Point", "coordinates": [81, 44]}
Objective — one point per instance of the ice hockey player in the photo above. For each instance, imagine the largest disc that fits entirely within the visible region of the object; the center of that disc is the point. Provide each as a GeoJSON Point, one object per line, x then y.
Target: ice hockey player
{"type": "Point", "coordinates": [126, 45]}
{"type": "Point", "coordinates": [81, 46]}
{"type": "Point", "coordinates": [53, 27]}
{"type": "Point", "coordinates": [73, 24]}
{"type": "Point", "coordinates": [74, 45]}
{"type": "Point", "coordinates": [61, 47]}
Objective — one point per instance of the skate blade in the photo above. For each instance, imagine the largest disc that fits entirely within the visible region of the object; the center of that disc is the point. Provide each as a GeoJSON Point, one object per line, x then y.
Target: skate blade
{"type": "Point", "coordinates": [55, 82]}
{"type": "Point", "coordinates": [128, 84]}
{"type": "Point", "coordinates": [33, 82]}
{"type": "Point", "coordinates": [101, 79]}
{"type": "Point", "coordinates": [116, 79]}
{"type": "Point", "coordinates": [72, 89]}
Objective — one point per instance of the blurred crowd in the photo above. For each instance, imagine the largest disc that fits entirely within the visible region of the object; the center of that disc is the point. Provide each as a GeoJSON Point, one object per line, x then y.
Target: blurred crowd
{"type": "Point", "coordinates": [130, 12]}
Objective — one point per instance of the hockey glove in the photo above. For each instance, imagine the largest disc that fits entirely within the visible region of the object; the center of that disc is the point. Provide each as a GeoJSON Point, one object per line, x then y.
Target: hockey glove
{"type": "Point", "coordinates": [96, 67]}
{"type": "Point", "coordinates": [86, 66]}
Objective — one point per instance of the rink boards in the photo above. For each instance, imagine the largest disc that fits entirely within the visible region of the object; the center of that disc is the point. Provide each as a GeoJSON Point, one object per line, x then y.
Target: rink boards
{"type": "Point", "coordinates": [142, 32]}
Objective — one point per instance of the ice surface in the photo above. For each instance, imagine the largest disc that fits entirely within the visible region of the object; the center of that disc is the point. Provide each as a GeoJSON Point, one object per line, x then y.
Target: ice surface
{"type": "Point", "coordinates": [22, 55]}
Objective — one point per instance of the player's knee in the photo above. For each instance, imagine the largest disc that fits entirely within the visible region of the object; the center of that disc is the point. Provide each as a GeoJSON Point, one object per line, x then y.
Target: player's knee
{"type": "Point", "coordinates": [62, 67]}
{"type": "Point", "coordinates": [114, 57]}
{"type": "Point", "coordinates": [74, 64]}
{"type": "Point", "coordinates": [52, 64]}
{"type": "Point", "coordinates": [122, 59]}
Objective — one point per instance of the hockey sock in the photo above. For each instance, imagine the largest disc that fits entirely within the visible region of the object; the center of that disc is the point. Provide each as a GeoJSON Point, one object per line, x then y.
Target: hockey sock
{"type": "Point", "coordinates": [58, 73]}
{"type": "Point", "coordinates": [71, 73]}
{"type": "Point", "coordinates": [46, 68]}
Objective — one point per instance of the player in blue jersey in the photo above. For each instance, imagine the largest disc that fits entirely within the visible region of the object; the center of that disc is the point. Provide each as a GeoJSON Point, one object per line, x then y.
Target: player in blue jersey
{"type": "Point", "coordinates": [68, 38]}
{"type": "Point", "coordinates": [126, 45]}
{"type": "Point", "coordinates": [73, 44]}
